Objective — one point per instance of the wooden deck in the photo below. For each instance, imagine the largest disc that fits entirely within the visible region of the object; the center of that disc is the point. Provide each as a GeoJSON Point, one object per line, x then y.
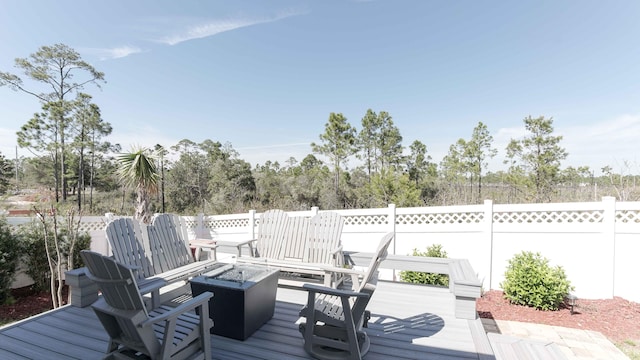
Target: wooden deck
{"type": "Point", "coordinates": [408, 322]}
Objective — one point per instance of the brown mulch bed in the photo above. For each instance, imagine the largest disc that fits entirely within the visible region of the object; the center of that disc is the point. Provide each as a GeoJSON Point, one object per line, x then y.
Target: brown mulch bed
{"type": "Point", "coordinates": [617, 319]}
{"type": "Point", "coordinates": [28, 303]}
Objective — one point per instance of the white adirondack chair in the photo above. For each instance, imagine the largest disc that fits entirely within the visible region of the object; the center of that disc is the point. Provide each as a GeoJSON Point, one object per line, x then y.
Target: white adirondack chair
{"type": "Point", "coordinates": [323, 244]}
{"type": "Point", "coordinates": [164, 333]}
{"type": "Point", "coordinates": [271, 232]}
{"type": "Point", "coordinates": [334, 319]}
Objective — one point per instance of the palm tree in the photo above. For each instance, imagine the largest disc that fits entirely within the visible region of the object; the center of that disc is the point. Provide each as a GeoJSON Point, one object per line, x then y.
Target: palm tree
{"type": "Point", "coordinates": [138, 169]}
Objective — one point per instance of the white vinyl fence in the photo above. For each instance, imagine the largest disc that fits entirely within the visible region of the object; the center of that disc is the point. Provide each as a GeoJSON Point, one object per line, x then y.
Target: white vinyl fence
{"type": "Point", "coordinates": [597, 243]}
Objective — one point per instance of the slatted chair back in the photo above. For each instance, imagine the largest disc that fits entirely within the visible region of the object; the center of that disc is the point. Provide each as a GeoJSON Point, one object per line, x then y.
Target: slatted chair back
{"type": "Point", "coordinates": [125, 236]}
{"type": "Point", "coordinates": [117, 281]}
{"type": "Point", "coordinates": [168, 243]}
{"type": "Point", "coordinates": [380, 255]}
{"type": "Point", "coordinates": [271, 233]}
{"type": "Point", "coordinates": [295, 239]}
{"type": "Point", "coordinates": [120, 291]}
{"type": "Point", "coordinates": [323, 239]}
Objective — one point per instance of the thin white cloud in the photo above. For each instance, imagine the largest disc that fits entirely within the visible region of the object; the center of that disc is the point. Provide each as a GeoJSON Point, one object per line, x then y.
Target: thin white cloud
{"type": "Point", "coordinates": [608, 142]}
{"type": "Point", "coordinates": [212, 28]}
{"type": "Point", "coordinates": [276, 152]}
{"type": "Point", "coordinates": [274, 146]}
{"type": "Point", "coordinates": [611, 142]}
{"type": "Point", "coordinates": [624, 127]}
{"type": "Point", "coordinates": [113, 53]}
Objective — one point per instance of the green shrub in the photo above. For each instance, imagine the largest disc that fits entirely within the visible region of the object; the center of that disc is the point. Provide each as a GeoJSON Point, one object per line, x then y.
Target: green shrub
{"type": "Point", "coordinates": [37, 264]}
{"type": "Point", "coordinates": [35, 259]}
{"type": "Point", "coordinates": [531, 281]}
{"type": "Point", "coordinates": [10, 252]}
{"type": "Point", "coordinates": [417, 277]}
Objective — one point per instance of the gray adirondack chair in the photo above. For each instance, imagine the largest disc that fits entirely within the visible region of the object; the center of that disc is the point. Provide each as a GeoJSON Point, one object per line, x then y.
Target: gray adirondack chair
{"type": "Point", "coordinates": [169, 245]}
{"type": "Point", "coordinates": [164, 333]}
{"type": "Point", "coordinates": [334, 318]}
{"type": "Point", "coordinates": [132, 246]}
{"type": "Point", "coordinates": [125, 237]}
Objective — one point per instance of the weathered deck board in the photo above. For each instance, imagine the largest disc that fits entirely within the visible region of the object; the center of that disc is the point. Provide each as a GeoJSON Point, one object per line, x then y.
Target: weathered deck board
{"type": "Point", "coordinates": [408, 322]}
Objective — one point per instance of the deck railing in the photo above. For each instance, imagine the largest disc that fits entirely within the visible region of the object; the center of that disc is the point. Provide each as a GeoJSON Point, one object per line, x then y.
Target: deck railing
{"type": "Point", "coordinates": [597, 243]}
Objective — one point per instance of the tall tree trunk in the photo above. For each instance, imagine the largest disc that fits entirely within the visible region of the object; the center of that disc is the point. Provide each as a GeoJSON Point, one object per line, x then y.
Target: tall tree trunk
{"type": "Point", "coordinates": [91, 172]}
{"type": "Point", "coordinates": [56, 175]}
{"type": "Point", "coordinates": [80, 179]}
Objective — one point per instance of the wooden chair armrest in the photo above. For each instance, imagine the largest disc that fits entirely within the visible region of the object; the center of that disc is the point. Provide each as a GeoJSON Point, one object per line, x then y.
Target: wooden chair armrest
{"type": "Point", "coordinates": [341, 270]}
{"type": "Point", "coordinates": [205, 246]}
{"type": "Point", "coordinates": [203, 243]}
{"type": "Point", "coordinates": [150, 285]}
{"type": "Point", "coordinates": [337, 257]}
{"type": "Point", "coordinates": [181, 309]}
{"type": "Point", "coordinates": [331, 291]}
{"type": "Point", "coordinates": [246, 242]}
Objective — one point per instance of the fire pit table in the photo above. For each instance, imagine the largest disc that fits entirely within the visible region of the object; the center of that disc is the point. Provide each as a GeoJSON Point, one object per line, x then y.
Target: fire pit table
{"type": "Point", "coordinates": [244, 297]}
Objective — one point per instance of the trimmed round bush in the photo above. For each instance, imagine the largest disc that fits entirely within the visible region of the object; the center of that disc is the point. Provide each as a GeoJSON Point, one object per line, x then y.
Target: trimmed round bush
{"type": "Point", "coordinates": [417, 277]}
{"type": "Point", "coordinates": [531, 281]}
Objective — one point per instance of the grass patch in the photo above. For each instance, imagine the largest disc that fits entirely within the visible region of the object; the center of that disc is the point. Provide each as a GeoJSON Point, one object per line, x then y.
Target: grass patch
{"type": "Point", "coordinates": [630, 348]}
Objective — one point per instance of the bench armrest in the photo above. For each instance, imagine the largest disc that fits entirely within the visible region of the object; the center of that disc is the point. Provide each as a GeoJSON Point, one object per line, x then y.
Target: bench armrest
{"type": "Point", "coordinates": [331, 291]}
{"type": "Point", "coordinates": [182, 308]}
{"type": "Point", "coordinates": [249, 243]}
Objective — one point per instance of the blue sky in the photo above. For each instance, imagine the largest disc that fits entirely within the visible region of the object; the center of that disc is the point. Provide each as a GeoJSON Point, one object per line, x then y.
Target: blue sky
{"type": "Point", "coordinates": [264, 75]}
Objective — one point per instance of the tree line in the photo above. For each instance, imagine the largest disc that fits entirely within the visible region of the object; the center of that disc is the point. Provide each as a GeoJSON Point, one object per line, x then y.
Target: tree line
{"type": "Point", "coordinates": [73, 160]}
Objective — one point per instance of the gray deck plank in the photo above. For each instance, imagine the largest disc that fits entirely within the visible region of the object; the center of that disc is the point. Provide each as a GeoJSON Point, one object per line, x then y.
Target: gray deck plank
{"type": "Point", "coordinates": [6, 355]}
{"type": "Point", "coordinates": [408, 322]}
{"type": "Point", "coordinates": [70, 337]}
{"type": "Point", "coordinates": [43, 347]}
{"type": "Point", "coordinates": [12, 349]}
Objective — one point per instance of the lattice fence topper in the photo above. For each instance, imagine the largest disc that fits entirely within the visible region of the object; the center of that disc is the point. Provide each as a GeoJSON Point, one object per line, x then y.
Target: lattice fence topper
{"type": "Point", "coordinates": [366, 220]}
{"type": "Point", "coordinates": [591, 216]}
{"type": "Point", "coordinates": [226, 224]}
{"type": "Point", "coordinates": [190, 223]}
{"type": "Point", "coordinates": [85, 224]}
{"type": "Point", "coordinates": [628, 216]}
{"type": "Point", "coordinates": [92, 225]}
{"type": "Point", "coordinates": [448, 218]}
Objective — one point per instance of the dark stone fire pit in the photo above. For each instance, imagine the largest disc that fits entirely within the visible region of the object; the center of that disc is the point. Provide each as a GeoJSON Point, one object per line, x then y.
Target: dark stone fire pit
{"type": "Point", "coordinates": [244, 298]}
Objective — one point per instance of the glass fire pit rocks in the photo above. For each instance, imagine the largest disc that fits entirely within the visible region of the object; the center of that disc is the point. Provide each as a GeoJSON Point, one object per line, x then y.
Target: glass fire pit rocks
{"type": "Point", "coordinates": [244, 298]}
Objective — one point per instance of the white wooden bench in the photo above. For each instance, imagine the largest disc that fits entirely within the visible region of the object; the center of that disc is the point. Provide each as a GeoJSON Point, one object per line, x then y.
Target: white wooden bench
{"type": "Point", "coordinates": [298, 245]}
{"type": "Point", "coordinates": [463, 281]}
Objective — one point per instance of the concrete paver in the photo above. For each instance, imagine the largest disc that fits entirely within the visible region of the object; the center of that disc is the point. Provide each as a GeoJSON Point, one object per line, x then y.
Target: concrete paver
{"type": "Point", "coordinates": [575, 344]}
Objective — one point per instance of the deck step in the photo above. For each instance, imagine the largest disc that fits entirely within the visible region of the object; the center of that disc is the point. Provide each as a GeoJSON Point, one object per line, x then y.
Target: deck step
{"type": "Point", "coordinates": [509, 347]}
